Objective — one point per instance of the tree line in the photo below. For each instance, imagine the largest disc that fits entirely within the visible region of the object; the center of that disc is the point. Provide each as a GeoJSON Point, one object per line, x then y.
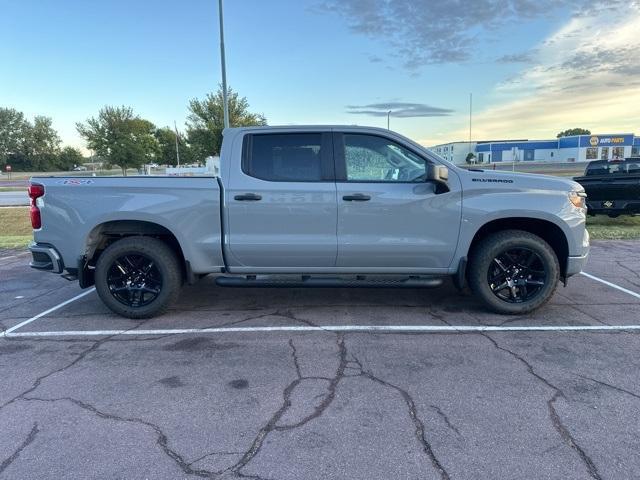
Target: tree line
{"type": "Point", "coordinates": [120, 138]}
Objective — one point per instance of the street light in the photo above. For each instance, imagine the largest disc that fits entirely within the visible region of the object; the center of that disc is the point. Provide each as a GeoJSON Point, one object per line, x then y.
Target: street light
{"type": "Point", "coordinates": [224, 68]}
{"type": "Point", "coordinates": [388, 115]}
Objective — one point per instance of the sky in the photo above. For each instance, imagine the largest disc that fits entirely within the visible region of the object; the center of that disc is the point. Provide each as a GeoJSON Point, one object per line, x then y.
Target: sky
{"type": "Point", "coordinates": [534, 67]}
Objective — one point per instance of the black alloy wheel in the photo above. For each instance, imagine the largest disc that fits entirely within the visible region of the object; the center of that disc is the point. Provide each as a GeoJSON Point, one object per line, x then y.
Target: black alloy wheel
{"type": "Point", "coordinates": [138, 277]}
{"type": "Point", "coordinates": [517, 275]}
{"type": "Point", "coordinates": [134, 280]}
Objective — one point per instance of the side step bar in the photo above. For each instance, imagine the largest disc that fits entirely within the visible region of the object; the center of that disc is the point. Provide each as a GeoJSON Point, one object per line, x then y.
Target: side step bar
{"type": "Point", "coordinates": [316, 282]}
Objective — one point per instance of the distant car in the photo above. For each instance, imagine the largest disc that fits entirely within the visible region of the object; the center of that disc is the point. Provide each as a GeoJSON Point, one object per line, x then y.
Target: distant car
{"type": "Point", "coordinates": [612, 187]}
{"type": "Point", "coordinates": [80, 168]}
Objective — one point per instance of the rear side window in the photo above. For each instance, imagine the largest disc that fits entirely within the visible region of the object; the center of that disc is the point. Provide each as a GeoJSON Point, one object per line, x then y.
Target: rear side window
{"type": "Point", "coordinates": [289, 157]}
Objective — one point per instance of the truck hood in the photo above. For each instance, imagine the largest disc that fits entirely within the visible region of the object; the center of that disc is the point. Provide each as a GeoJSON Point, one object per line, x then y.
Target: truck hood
{"type": "Point", "coordinates": [525, 181]}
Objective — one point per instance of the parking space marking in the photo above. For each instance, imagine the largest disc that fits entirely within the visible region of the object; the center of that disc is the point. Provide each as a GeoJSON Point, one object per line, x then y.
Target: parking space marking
{"type": "Point", "coordinates": [9, 331]}
{"type": "Point", "coordinates": [612, 285]}
{"type": "Point", "coordinates": [336, 328]}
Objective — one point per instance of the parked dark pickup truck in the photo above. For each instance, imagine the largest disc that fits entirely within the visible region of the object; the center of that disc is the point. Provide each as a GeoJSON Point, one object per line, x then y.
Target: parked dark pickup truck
{"type": "Point", "coordinates": [613, 188]}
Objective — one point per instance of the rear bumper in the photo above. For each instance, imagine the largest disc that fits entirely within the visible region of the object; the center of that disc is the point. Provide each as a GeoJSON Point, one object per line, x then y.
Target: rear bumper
{"type": "Point", "coordinates": [45, 257]}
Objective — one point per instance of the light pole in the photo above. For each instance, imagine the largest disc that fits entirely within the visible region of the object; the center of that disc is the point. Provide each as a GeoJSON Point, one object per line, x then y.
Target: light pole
{"type": "Point", "coordinates": [224, 68]}
{"type": "Point", "coordinates": [388, 115]}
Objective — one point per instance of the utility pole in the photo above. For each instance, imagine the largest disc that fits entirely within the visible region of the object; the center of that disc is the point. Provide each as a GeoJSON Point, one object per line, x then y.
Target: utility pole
{"type": "Point", "coordinates": [177, 146]}
{"type": "Point", "coordinates": [224, 68]}
{"type": "Point", "coordinates": [388, 115]}
{"type": "Point", "coordinates": [470, 115]}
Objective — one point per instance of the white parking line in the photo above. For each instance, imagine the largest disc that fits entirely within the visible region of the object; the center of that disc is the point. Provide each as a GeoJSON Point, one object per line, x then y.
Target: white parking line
{"type": "Point", "coordinates": [612, 285]}
{"type": "Point", "coordinates": [335, 328]}
{"type": "Point", "coordinates": [331, 328]}
{"type": "Point", "coordinates": [46, 312]}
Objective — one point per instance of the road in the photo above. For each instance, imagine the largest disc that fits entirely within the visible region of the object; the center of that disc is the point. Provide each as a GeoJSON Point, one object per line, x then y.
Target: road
{"type": "Point", "coordinates": [280, 384]}
{"type": "Point", "coordinates": [13, 198]}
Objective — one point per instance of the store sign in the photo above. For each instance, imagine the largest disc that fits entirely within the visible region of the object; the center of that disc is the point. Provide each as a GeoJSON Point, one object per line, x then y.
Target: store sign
{"type": "Point", "coordinates": [613, 140]}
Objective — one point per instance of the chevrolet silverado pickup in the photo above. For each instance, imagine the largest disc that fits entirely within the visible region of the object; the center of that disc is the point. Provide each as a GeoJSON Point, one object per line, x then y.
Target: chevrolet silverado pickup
{"type": "Point", "coordinates": [613, 187]}
{"type": "Point", "coordinates": [313, 207]}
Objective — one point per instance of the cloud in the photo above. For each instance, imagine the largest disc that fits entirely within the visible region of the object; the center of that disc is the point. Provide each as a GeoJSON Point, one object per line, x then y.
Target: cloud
{"type": "Point", "coordinates": [399, 110]}
{"type": "Point", "coordinates": [522, 57]}
{"type": "Point", "coordinates": [424, 32]}
{"type": "Point", "coordinates": [585, 74]}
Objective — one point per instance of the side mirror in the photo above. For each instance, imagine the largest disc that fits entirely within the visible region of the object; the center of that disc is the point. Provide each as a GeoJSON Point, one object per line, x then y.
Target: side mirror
{"type": "Point", "coordinates": [437, 173]}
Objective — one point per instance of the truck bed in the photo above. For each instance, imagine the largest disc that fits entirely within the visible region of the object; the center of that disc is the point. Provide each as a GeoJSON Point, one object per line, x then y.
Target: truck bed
{"type": "Point", "coordinates": [74, 209]}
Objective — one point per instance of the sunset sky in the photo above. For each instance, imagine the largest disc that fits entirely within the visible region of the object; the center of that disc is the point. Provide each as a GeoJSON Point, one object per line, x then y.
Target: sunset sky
{"type": "Point", "coordinates": [534, 68]}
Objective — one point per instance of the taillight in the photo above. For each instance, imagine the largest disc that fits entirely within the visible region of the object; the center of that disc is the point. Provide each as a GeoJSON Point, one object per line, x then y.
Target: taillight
{"type": "Point", "coordinates": [35, 191]}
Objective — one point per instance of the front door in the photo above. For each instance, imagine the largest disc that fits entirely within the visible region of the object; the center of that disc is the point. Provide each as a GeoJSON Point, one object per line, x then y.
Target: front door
{"type": "Point", "coordinates": [388, 216]}
{"type": "Point", "coordinates": [281, 203]}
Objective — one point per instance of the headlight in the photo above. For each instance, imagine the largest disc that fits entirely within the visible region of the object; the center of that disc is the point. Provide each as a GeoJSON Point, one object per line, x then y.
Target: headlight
{"type": "Point", "coordinates": [578, 199]}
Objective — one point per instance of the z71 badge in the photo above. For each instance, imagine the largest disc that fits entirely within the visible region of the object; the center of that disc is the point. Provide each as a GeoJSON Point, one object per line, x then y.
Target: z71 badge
{"type": "Point", "coordinates": [75, 181]}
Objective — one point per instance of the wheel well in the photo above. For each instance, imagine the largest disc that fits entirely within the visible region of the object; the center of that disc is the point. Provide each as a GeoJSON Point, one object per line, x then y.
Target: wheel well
{"type": "Point", "coordinates": [106, 233]}
{"type": "Point", "coordinates": [548, 231]}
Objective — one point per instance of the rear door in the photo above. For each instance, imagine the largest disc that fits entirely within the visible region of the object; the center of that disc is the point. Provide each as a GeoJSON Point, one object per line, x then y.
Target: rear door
{"type": "Point", "coordinates": [389, 218]}
{"type": "Point", "coordinates": [281, 203]}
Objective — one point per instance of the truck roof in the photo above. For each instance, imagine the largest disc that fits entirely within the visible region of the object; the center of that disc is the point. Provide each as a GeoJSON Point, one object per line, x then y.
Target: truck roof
{"type": "Point", "coordinates": [307, 127]}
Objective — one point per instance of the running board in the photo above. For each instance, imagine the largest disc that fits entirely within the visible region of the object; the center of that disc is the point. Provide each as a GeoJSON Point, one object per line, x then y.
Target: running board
{"type": "Point", "coordinates": [317, 282]}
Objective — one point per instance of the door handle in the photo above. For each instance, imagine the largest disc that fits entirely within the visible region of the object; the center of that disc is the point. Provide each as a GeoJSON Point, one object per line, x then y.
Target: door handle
{"type": "Point", "coordinates": [356, 197]}
{"type": "Point", "coordinates": [248, 197]}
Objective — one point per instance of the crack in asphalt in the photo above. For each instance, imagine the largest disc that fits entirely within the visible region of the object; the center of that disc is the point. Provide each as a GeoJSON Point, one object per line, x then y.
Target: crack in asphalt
{"type": "Point", "coordinates": [212, 454]}
{"type": "Point", "coordinates": [413, 414]}
{"type": "Point", "coordinates": [294, 355]}
{"type": "Point", "coordinates": [633, 272]}
{"type": "Point", "coordinates": [444, 416]}
{"type": "Point", "coordinates": [556, 421]}
{"type": "Point", "coordinates": [608, 385]}
{"type": "Point", "coordinates": [272, 424]}
{"type": "Point", "coordinates": [41, 378]}
{"type": "Point", "coordinates": [14, 456]}
{"type": "Point", "coordinates": [81, 356]}
{"type": "Point", "coordinates": [162, 439]}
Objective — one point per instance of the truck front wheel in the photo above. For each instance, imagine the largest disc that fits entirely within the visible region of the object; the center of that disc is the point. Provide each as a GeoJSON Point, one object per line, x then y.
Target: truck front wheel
{"type": "Point", "coordinates": [513, 271]}
{"type": "Point", "coordinates": [138, 277]}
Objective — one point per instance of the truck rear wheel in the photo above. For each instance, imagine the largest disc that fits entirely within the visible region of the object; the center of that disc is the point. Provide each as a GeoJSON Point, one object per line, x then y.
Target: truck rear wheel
{"type": "Point", "coordinates": [138, 277]}
{"type": "Point", "coordinates": [513, 272]}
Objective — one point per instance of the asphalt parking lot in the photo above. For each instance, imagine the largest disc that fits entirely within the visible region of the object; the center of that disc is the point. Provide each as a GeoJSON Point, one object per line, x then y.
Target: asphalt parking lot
{"type": "Point", "coordinates": [322, 383]}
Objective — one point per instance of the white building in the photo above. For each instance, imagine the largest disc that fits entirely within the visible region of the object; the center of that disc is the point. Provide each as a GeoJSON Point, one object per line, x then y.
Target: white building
{"type": "Point", "coordinates": [577, 148]}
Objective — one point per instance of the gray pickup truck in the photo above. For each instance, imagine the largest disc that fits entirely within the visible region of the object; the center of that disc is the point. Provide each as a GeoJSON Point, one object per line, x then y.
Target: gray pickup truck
{"type": "Point", "coordinates": [313, 207]}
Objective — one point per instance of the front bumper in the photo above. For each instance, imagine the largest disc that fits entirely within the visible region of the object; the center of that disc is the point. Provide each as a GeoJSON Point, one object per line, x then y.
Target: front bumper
{"type": "Point", "coordinates": [576, 264]}
{"type": "Point", "coordinates": [45, 257]}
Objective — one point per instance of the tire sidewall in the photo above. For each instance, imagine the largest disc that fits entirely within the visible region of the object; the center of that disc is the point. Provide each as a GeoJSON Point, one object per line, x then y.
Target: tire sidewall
{"type": "Point", "coordinates": [165, 262]}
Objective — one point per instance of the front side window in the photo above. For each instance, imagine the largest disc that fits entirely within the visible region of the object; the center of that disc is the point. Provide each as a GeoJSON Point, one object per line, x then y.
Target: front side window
{"type": "Point", "coordinates": [288, 157]}
{"type": "Point", "coordinates": [369, 158]}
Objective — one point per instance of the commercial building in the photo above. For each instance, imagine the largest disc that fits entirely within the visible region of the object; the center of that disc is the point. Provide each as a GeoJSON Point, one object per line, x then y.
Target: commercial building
{"type": "Point", "coordinates": [577, 148]}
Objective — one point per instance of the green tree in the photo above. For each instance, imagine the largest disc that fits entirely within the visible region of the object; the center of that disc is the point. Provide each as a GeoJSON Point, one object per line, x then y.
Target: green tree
{"type": "Point", "coordinates": [471, 157]}
{"type": "Point", "coordinates": [206, 121]}
{"type": "Point", "coordinates": [120, 137]}
{"type": "Point", "coordinates": [69, 158]}
{"type": "Point", "coordinates": [42, 144]}
{"type": "Point", "coordinates": [13, 131]}
{"type": "Point", "coordinates": [574, 131]}
{"type": "Point", "coordinates": [166, 138]}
